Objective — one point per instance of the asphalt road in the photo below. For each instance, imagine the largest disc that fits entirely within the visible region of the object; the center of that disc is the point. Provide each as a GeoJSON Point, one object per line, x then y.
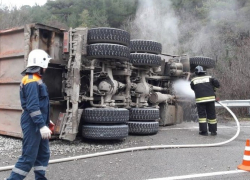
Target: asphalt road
{"type": "Point", "coordinates": [171, 163]}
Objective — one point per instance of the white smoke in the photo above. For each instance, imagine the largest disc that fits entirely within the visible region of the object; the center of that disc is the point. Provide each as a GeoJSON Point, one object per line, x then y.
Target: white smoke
{"type": "Point", "coordinates": [204, 37]}
{"type": "Point", "coordinates": [155, 20]}
{"type": "Point", "coordinates": [183, 88]}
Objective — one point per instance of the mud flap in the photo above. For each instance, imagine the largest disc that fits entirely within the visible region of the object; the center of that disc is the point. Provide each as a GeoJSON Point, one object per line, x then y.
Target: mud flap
{"type": "Point", "coordinates": [58, 124]}
{"type": "Point", "coordinates": [66, 131]}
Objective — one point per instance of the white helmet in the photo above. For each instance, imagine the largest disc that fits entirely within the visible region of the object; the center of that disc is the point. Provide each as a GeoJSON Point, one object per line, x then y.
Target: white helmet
{"type": "Point", "coordinates": [38, 57]}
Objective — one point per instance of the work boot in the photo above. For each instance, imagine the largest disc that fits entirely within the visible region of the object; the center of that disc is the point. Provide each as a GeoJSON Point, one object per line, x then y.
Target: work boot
{"type": "Point", "coordinates": [213, 133]}
{"type": "Point", "coordinates": [203, 133]}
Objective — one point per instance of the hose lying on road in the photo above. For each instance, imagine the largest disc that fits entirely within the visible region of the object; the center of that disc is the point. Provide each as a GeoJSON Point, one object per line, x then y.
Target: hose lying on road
{"type": "Point", "coordinates": [144, 147]}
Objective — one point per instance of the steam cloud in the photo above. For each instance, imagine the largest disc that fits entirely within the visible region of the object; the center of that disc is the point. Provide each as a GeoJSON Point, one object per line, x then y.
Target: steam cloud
{"type": "Point", "coordinates": [155, 20]}
{"type": "Point", "coordinates": [185, 33]}
{"type": "Point", "coordinates": [182, 88]}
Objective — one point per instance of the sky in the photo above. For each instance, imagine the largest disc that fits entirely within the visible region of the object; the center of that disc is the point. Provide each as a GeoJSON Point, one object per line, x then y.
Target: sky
{"type": "Point", "coordinates": [19, 3]}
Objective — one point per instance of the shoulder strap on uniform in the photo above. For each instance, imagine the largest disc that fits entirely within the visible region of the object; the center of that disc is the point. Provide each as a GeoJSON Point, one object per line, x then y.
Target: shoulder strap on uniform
{"type": "Point", "coordinates": [31, 78]}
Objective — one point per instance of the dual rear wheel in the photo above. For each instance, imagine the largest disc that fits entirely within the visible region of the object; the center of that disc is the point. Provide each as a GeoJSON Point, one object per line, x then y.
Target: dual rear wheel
{"type": "Point", "coordinates": [117, 123]}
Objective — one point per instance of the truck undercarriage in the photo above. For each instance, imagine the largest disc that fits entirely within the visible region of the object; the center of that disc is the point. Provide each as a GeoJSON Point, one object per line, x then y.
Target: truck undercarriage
{"type": "Point", "coordinates": [102, 84]}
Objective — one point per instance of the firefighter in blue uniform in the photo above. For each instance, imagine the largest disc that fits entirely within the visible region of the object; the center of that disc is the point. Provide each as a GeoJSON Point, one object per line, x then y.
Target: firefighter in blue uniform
{"type": "Point", "coordinates": [204, 87]}
{"type": "Point", "coordinates": [35, 119]}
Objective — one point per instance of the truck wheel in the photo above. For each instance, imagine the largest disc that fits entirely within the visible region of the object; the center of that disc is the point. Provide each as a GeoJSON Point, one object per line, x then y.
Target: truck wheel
{"type": "Point", "coordinates": [108, 51]}
{"type": "Point", "coordinates": [144, 128]}
{"type": "Point", "coordinates": [105, 132]}
{"type": "Point", "coordinates": [106, 115]}
{"type": "Point", "coordinates": [206, 62]}
{"type": "Point", "coordinates": [144, 114]}
{"type": "Point", "coordinates": [145, 59]}
{"type": "Point", "coordinates": [145, 46]}
{"type": "Point", "coordinates": [108, 35]}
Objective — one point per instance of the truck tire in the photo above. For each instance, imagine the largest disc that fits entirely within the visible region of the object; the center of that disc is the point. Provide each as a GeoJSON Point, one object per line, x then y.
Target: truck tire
{"type": "Point", "coordinates": [108, 35]}
{"type": "Point", "coordinates": [145, 46]}
{"type": "Point", "coordinates": [205, 62]}
{"type": "Point", "coordinates": [144, 114]}
{"type": "Point", "coordinates": [105, 132]}
{"type": "Point", "coordinates": [106, 115]}
{"type": "Point", "coordinates": [145, 59]}
{"type": "Point", "coordinates": [145, 128]}
{"type": "Point", "coordinates": [108, 51]}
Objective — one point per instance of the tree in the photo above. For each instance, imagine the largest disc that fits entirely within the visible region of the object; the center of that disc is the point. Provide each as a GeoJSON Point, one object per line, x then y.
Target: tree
{"type": "Point", "coordinates": [119, 10]}
{"type": "Point", "coordinates": [14, 17]}
{"type": "Point", "coordinates": [64, 8]}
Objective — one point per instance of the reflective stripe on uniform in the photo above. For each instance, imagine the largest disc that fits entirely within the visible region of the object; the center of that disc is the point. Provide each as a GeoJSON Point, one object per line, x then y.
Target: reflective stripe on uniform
{"type": "Point", "coordinates": [19, 171]}
{"type": "Point", "coordinates": [198, 78]}
{"type": "Point", "coordinates": [35, 113]}
{"type": "Point", "coordinates": [40, 168]}
{"type": "Point", "coordinates": [40, 82]}
{"type": "Point", "coordinates": [205, 99]}
{"type": "Point", "coordinates": [201, 80]}
{"type": "Point", "coordinates": [212, 121]}
{"type": "Point", "coordinates": [202, 120]}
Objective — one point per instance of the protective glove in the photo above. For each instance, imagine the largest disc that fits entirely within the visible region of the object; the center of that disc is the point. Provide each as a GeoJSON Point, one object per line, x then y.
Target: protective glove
{"type": "Point", "coordinates": [45, 132]}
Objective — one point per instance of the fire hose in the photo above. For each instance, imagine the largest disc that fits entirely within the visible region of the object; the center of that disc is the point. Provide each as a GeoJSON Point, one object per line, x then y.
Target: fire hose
{"type": "Point", "coordinates": [144, 147]}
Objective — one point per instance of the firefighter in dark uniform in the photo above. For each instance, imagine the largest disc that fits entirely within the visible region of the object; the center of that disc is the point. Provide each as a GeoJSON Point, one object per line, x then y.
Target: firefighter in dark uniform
{"type": "Point", "coordinates": [34, 99]}
{"type": "Point", "coordinates": [204, 87]}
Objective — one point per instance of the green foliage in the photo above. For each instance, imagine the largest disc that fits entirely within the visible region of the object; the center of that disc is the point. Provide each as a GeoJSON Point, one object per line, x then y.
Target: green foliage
{"type": "Point", "coordinates": [39, 14]}
{"type": "Point", "coordinates": [74, 13]}
{"type": "Point", "coordinates": [84, 20]}
{"type": "Point", "coordinates": [62, 9]}
{"type": "Point", "coordinates": [14, 17]}
{"type": "Point", "coordinates": [92, 13]}
{"type": "Point", "coordinates": [119, 10]}
{"type": "Point", "coordinates": [192, 6]}
{"type": "Point", "coordinates": [98, 19]}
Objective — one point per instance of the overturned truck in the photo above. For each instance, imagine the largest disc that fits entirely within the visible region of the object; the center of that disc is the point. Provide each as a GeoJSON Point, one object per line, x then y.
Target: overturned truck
{"type": "Point", "coordinates": [101, 83]}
